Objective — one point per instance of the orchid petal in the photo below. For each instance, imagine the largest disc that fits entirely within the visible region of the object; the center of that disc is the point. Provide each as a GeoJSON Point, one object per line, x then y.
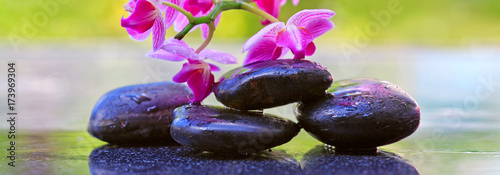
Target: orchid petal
{"type": "Point", "coordinates": [270, 30]}
{"type": "Point", "coordinates": [159, 4]}
{"type": "Point", "coordinates": [216, 21]}
{"type": "Point", "coordinates": [204, 30]}
{"type": "Point", "coordinates": [295, 38]}
{"type": "Point", "coordinates": [130, 6]}
{"type": "Point", "coordinates": [201, 84]}
{"type": "Point", "coordinates": [204, 6]}
{"type": "Point", "coordinates": [213, 67]}
{"type": "Point", "coordinates": [138, 36]}
{"type": "Point", "coordinates": [164, 55]}
{"type": "Point", "coordinates": [180, 22]}
{"type": "Point", "coordinates": [295, 2]}
{"type": "Point", "coordinates": [303, 17]}
{"type": "Point", "coordinates": [280, 52]}
{"type": "Point", "coordinates": [270, 6]}
{"type": "Point", "coordinates": [318, 27]}
{"type": "Point", "coordinates": [171, 13]}
{"type": "Point", "coordinates": [159, 32]}
{"type": "Point", "coordinates": [262, 51]}
{"type": "Point", "coordinates": [199, 78]}
{"type": "Point", "coordinates": [218, 56]}
{"type": "Point", "coordinates": [310, 49]}
{"type": "Point", "coordinates": [283, 2]}
{"type": "Point", "coordinates": [179, 47]}
{"type": "Point", "coordinates": [143, 17]}
{"type": "Point", "coordinates": [197, 8]}
{"type": "Point", "coordinates": [186, 71]}
{"type": "Point", "coordinates": [173, 41]}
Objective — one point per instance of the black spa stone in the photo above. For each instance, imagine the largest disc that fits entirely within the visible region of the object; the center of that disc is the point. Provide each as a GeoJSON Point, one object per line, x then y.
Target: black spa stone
{"type": "Point", "coordinates": [138, 114]}
{"type": "Point", "coordinates": [360, 114]}
{"type": "Point", "coordinates": [218, 129]}
{"type": "Point", "coordinates": [272, 83]}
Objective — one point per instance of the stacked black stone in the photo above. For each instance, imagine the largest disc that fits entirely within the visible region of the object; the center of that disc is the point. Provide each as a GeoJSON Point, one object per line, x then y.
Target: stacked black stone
{"type": "Point", "coordinates": [355, 114]}
{"type": "Point", "coordinates": [253, 87]}
{"type": "Point", "coordinates": [360, 114]}
{"type": "Point", "coordinates": [138, 114]}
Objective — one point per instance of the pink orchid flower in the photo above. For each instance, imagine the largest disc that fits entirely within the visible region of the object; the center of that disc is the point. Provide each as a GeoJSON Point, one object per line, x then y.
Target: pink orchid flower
{"type": "Point", "coordinates": [197, 8]}
{"type": "Point", "coordinates": [199, 78]}
{"type": "Point", "coordinates": [272, 7]}
{"type": "Point", "coordinates": [276, 39]}
{"type": "Point", "coordinates": [196, 72]}
{"type": "Point", "coordinates": [146, 18]}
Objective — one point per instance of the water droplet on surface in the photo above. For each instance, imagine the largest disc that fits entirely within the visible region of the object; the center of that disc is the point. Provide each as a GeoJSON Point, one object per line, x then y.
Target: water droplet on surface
{"type": "Point", "coordinates": [353, 94]}
{"type": "Point", "coordinates": [152, 109]}
{"type": "Point", "coordinates": [139, 98]}
{"type": "Point", "coordinates": [124, 124]}
{"type": "Point", "coordinates": [404, 104]}
{"type": "Point", "coordinates": [351, 108]}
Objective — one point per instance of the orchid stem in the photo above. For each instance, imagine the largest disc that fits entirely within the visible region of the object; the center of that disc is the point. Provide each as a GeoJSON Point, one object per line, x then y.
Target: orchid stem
{"type": "Point", "coordinates": [220, 6]}
{"type": "Point", "coordinates": [188, 15]}
{"type": "Point", "coordinates": [211, 30]}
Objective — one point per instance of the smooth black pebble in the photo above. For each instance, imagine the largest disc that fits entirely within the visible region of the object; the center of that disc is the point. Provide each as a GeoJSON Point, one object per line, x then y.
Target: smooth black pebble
{"type": "Point", "coordinates": [219, 129]}
{"type": "Point", "coordinates": [138, 114]}
{"type": "Point", "coordinates": [360, 114]}
{"type": "Point", "coordinates": [272, 83]}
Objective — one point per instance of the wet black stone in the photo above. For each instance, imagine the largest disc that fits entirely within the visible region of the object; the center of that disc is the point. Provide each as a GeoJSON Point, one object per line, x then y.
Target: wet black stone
{"type": "Point", "coordinates": [272, 83]}
{"type": "Point", "coordinates": [360, 114]}
{"type": "Point", "coordinates": [322, 161]}
{"type": "Point", "coordinates": [138, 114]}
{"type": "Point", "coordinates": [184, 160]}
{"type": "Point", "coordinates": [218, 129]}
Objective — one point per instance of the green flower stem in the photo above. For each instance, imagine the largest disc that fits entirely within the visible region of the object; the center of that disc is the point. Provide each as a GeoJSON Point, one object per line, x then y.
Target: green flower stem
{"type": "Point", "coordinates": [188, 15]}
{"type": "Point", "coordinates": [220, 6]}
{"type": "Point", "coordinates": [211, 30]}
{"type": "Point", "coordinates": [209, 19]}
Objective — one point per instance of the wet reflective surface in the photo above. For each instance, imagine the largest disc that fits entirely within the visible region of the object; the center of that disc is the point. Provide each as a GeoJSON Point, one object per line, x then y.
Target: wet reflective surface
{"type": "Point", "coordinates": [183, 160]}
{"type": "Point", "coordinates": [323, 160]}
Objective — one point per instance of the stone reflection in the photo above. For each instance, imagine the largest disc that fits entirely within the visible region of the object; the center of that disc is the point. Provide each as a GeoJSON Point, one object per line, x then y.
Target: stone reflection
{"type": "Point", "coordinates": [183, 160]}
{"type": "Point", "coordinates": [324, 160]}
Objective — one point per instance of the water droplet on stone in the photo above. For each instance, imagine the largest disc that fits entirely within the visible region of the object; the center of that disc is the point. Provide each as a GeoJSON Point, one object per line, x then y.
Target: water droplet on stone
{"type": "Point", "coordinates": [152, 109]}
{"type": "Point", "coordinates": [404, 104]}
{"type": "Point", "coordinates": [353, 94]}
{"type": "Point", "coordinates": [124, 124]}
{"type": "Point", "coordinates": [139, 98]}
{"type": "Point", "coordinates": [351, 108]}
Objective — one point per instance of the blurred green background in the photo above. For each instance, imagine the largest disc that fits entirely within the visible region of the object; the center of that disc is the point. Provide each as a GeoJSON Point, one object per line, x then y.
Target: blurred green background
{"type": "Point", "coordinates": [428, 22]}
